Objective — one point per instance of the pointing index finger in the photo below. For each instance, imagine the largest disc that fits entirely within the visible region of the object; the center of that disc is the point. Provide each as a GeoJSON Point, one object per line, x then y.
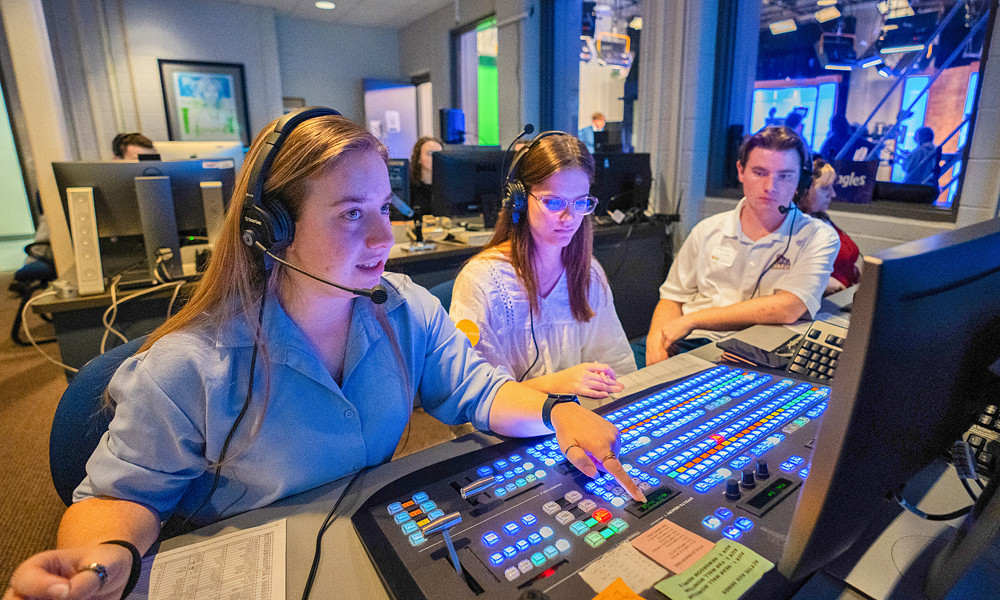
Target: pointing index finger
{"type": "Point", "coordinates": [613, 466]}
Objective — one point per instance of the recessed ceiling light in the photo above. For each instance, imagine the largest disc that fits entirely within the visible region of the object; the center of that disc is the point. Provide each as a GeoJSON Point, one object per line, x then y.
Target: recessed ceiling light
{"type": "Point", "coordinates": [779, 27]}
{"type": "Point", "coordinates": [326, 5]}
{"type": "Point", "coordinates": [825, 2]}
{"type": "Point", "coordinates": [827, 14]}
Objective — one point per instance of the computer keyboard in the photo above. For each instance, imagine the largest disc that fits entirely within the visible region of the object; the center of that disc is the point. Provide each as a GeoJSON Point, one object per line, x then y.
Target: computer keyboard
{"type": "Point", "coordinates": [819, 351]}
{"type": "Point", "coordinates": [984, 439]}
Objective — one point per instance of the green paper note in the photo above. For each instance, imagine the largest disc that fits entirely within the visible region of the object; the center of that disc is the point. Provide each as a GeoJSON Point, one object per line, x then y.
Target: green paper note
{"type": "Point", "coordinates": [725, 573]}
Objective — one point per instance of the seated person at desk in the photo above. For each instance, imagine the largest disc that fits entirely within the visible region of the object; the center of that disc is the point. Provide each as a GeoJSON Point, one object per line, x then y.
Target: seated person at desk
{"type": "Point", "coordinates": [536, 293]}
{"type": "Point", "coordinates": [308, 362]}
{"type": "Point", "coordinates": [128, 146]}
{"type": "Point", "coordinates": [421, 177]}
{"type": "Point", "coordinates": [815, 202]}
{"type": "Point", "coordinates": [586, 135]}
{"type": "Point", "coordinates": [741, 268]}
{"type": "Point", "coordinates": [921, 162]}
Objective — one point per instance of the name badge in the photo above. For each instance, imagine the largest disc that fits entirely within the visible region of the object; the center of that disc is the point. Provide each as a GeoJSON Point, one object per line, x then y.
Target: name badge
{"type": "Point", "coordinates": [724, 255]}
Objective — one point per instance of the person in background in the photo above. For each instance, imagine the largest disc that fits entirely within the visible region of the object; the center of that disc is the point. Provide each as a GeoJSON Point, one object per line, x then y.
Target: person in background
{"type": "Point", "coordinates": [815, 202]}
{"type": "Point", "coordinates": [538, 297]}
{"type": "Point", "coordinates": [763, 262]}
{"type": "Point", "coordinates": [421, 174]}
{"type": "Point", "coordinates": [128, 146]}
{"type": "Point", "coordinates": [794, 122]}
{"type": "Point", "coordinates": [586, 135]}
{"type": "Point", "coordinates": [919, 164]}
{"type": "Point", "coordinates": [336, 371]}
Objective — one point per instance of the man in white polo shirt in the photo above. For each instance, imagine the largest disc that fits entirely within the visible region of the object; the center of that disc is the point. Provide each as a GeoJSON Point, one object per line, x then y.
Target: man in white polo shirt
{"type": "Point", "coordinates": [764, 262]}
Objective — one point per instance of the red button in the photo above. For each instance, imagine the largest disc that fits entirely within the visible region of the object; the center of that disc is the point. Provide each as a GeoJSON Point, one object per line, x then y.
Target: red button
{"type": "Point", "coordinates": [602, 515]}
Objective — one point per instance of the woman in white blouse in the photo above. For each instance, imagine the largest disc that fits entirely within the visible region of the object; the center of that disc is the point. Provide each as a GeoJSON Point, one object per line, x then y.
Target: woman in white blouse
{"type": "Point", "coordinates": [540, 301]}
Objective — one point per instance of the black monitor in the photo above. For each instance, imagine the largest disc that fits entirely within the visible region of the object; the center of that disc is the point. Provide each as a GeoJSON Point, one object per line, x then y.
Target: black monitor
{"type": "Point", "coordinates": [610, 138]}
{"type": "Point", "coordinates": [119, 223]}
{"type": "Point", "coordinates": [399, 181]}
{"type": "Point", "coordinates": [621, 181]}
{"type": "Point", "coordinates": [467, 183]}
{"type": "Point", "coordinates": [915, 369]}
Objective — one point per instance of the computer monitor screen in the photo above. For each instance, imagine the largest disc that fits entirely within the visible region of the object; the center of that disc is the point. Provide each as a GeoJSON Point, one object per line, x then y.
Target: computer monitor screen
{"type": "Point", "coordinates": [399, 181]}
{"type": "Point", "coordinates": [924, 332]}
{"type": "Point", "coordinates": [467, 183]}
{"type": "Point", "coordinates": [621, 181]}
{"type": "Point", "coordinates": [610, 138]}
{"type": "Point", "coordinates": [172, 151]}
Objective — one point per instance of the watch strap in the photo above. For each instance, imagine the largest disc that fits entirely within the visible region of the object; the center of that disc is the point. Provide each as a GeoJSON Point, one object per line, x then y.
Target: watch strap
{"type": "Point", "coordinates": [550, 403]}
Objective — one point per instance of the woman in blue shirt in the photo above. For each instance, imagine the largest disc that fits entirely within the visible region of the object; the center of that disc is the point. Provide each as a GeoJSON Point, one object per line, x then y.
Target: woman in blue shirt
{"type": "Point", "coordinates": [272, 382]}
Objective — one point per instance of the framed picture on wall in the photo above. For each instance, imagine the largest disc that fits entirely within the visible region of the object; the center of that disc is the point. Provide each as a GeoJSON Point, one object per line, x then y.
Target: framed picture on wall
{"type": "Point", "coordinates": [205, 101]}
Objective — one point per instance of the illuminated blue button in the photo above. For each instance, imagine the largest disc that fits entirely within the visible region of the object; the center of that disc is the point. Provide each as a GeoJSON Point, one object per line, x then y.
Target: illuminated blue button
{"type": "Point", "coordinates": [521, 482]}
{"type": "Point", "coordinates": [508, 474]}
{"type": "Point", "coordinates": [685, 478]}
{"type": "Point", "coordinates": [511, 528]}
{"type": "Point", "coordinates": [534, 538]}
{"type": "Point", "coordinates": [787, 467]}
{"type": "Point", "coordinates": [500, 492]}
{"type": "Point", "coordinates": [550, 552]}
{"type": "Point", "coordinates": [608, 496]}
{"type": "Point", "coordinates": [579, 528]}
{"type": "Point", "coordinates": [491, 538]}
{"type": "Point", "coordinates": [744, 523]}
{"type": "Point", "coordinates": [509, 551]}
{"type": "Point", "coordinates": [496, 558]}
{"type": "Point", "coordinates": [515, 458]}
{"type": "Point", "coordinates": [395, 507]}
{"type": "Point", "coordinates": [417, 538]}
{"type": "Point", "coordinates": [519, 471]}
{"type": "Point", "coordinates": [538, 559]}
{"type": "Point", "coordinates": [500, 465]}
{"type": "Point", "coordinates": [724, 513]}
{"type": "Point", "coordinates": [428, 506]}
{"type": "Point", "coordinates": [402, 517]}
{"type": "Point", "coordinates": [796, 460]}
{"type": "Point", "coordinates": [511, 487]}
{"type": "Point", "coordinates": [654, 481]}
{"type": "Point", "coordinates": [420, 497]}
{"type": "Point", "coordinates": [522, 545]}
{"type": "Point", "coordinates": [702, 486]}
{"type": "Point", "coordinates": [733, 533]}
{"type": "Point", "coordinates": [711, 522]}
{"type": "Point", "coordinates": [804, 473]}
{"type": "Point", "coordinates": [434, 514]}
{"type": "Point", "coordinates": [498, 477]}
{"type": "Point", "coordinates": [590, 486]}
{"type": "Point", "coordinates": [484, 471]}
{"type": "Point", "coordinates": [409, 527]}
{"type": "Point", "coordinates": [528, 519]}
{"type": "Point", "coordinates": [546, 532]}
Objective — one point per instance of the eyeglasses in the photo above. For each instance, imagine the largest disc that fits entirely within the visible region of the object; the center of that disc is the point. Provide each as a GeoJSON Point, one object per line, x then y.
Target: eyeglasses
{"type": "Point", "coordinates": [581, 206]}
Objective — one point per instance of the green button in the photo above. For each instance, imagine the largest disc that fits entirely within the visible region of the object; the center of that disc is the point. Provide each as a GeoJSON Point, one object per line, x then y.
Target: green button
{"type": "Point", "coordinates": [594, 538]}
{"type": "Point", "coordinates": [618, 525]}
{"type": "Point", "coordinates": [607, 532]}
{"type": "Point", "coordinates": [538, 559]}
{"type": "Point", "coordinates": [590, 522]}
{"type": "Point", "coordinates": [529, 478]}
{"type": "Point", "coordinates": [673, 474]}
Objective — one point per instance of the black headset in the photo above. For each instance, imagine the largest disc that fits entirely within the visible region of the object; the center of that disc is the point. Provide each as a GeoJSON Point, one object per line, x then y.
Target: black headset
{"type": "Point", "coordinates": [515, 193]}
{"type": "Point", "coordinates": [266, 220]}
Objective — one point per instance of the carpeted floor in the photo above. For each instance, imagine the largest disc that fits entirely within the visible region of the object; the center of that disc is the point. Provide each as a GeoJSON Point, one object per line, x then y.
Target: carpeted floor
{"type": "Point", "coordinates": [30, 388]}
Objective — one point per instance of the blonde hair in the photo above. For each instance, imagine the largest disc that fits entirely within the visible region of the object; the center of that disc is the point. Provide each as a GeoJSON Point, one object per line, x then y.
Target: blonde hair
{"type": "Point", "coordinates": [823, 174]}
{"type": "Point", "coordinates": [544, 158]}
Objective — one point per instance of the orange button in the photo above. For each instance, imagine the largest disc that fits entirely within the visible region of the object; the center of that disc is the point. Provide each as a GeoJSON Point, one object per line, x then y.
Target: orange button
{"type": "Point", "coordinates": [602, 515]}
{"type": "Point", "coordinates": [414, 513]}
{"type": "Point", "coordinates": [408, 504]}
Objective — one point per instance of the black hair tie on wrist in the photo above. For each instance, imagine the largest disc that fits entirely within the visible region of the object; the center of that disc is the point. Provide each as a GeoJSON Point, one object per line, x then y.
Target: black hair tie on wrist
{"type": "Point", "coordinates": [133, 577]}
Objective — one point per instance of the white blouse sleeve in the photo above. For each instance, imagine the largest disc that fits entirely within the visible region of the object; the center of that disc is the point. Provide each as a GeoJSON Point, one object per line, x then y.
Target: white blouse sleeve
{"type": "Point", "coordinates": [470, 300]}
{"type": "Point", "coordinates": [606, 341]}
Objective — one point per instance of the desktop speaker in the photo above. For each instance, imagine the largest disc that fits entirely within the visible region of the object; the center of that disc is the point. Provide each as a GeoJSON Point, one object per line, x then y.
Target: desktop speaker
{"type": "Point", "coordinates": [214, 207]}
{"type": "Point", "coordinates": [83, 226]}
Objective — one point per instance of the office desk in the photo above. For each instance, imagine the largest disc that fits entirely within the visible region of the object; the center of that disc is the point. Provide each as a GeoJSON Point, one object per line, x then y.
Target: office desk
{"type": "Point", "coordinates": [635, 259]}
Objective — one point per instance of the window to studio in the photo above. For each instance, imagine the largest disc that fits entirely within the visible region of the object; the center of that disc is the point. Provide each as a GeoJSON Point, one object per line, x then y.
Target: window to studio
{"type": "Point", "coordinates": [478, 82]}
{"type": "Point", "coordinates": [885, 90]}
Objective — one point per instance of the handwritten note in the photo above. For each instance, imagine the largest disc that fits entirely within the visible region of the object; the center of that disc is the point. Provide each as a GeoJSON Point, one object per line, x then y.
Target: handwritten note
{"type": "Point", "coordinates": [672, 546]}
{"type": "Point", "coordinates": [618, 591]}
{"type": "Point", "coordinates": [725, 573]}
{"type": "Point", "coordinates": [624, 562]}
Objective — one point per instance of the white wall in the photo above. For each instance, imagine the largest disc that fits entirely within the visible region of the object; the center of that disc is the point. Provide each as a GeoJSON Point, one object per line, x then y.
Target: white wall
{"type": "Point", "coordinates": [325, 62]}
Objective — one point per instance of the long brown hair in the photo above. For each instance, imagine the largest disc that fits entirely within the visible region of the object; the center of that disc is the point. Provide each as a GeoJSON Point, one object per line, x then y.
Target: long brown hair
{"type": "Point", "coordinates": [544, 158]}
{"type": "Point", "coordinates": [416, 169]}
{"type": "Point", "coordinates": [233, 284]}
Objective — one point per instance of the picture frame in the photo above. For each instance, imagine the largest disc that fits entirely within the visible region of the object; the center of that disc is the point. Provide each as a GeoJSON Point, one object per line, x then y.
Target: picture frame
{"type": "Point", "coordinates": [204, 101]}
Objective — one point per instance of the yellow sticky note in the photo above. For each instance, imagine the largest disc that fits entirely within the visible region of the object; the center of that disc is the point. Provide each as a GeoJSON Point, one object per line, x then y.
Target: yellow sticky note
{"type": "Point", "coordinates": [725, 573]}
{"type": "Point", "coordinates": [618, 590]}
{"type": "Point", "coordinates": [470, 329]}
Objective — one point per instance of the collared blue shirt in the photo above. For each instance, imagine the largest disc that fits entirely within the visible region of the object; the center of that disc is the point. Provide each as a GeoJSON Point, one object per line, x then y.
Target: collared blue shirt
{"type": "Point", "coordinates": [177, 402]}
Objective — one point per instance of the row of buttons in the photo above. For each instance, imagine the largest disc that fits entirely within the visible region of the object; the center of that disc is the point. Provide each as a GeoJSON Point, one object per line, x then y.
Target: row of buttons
{"type": "Point", "coordinates": [723, 514]}
{"type": "Point", "coordinates": [536, 560]}
{"type": "Point", "coordinates": [520, 482]}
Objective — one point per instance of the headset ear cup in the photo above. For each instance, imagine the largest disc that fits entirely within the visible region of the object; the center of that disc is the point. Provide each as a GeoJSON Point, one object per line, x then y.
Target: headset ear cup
{"type": "Point", "coordinates": [282, 225]}
{"type": "Point", "coordinates": [515, 198]}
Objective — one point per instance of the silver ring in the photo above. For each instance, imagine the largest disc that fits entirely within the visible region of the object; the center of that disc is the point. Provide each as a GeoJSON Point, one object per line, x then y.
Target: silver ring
{"type": "Point", "coordinates": [611, 456]}
{"type": "Point", "coordinates": [101, 571]}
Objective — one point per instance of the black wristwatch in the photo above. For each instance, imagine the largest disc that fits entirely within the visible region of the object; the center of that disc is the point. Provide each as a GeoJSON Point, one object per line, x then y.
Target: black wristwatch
{"type": "Point", "coordinates": [550, 402]}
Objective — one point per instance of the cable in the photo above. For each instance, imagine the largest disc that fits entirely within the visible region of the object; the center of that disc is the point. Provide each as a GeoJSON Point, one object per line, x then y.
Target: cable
{"type": "Point", "coordinates": [173, 298]}
{"type": "Point", "coordinates": [116, 303]}
{"type": "Point", "coordinates": [930, 517]}
{"type": "Point", "coordinates": [531, 317]}
{"type": "Point", "coordinates": [327, 522]}
{"type": "Point", "coordinates": [114, 315]}
{"type": "Point", "coordinates": [27, 332]}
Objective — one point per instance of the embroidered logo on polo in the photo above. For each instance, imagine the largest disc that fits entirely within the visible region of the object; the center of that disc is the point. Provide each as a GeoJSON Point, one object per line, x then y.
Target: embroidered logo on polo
{"type": "Point", "coordinates": [782, 264]}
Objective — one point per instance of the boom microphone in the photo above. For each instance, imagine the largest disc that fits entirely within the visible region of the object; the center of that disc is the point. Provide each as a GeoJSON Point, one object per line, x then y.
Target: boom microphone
{"type": "Point", "coordinates": [377, 294]}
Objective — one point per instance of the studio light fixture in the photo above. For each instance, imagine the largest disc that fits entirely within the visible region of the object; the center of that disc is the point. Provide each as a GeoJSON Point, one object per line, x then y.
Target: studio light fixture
{"type": "Point", "coordinates": [836, 52]}
{"type": "Point", "coordinates": [826, 2]}
{"type": "Point", "coordinates": [871, 61]}
{"type": "Point", "coordinates": [323, 4]}
{"type": "Point", "coordinates": [827, 14]}
{"type": "Point", "coordinates": [779, 27]}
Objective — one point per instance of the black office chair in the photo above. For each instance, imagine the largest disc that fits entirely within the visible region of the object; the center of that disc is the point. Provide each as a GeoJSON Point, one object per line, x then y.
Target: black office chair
{"type": "Point", "coordinates": [81, 419]}
{"type": "Point", "coordinates": [442, 292]}
{"type": "Point", "coordinates": [30, 278]}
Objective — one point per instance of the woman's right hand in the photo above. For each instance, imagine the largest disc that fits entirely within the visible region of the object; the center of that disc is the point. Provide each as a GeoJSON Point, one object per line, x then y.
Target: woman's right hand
{"type": "Point", "coordinates": [592, 379]}
{"type": "Point", "coordinates": [64, 574]}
